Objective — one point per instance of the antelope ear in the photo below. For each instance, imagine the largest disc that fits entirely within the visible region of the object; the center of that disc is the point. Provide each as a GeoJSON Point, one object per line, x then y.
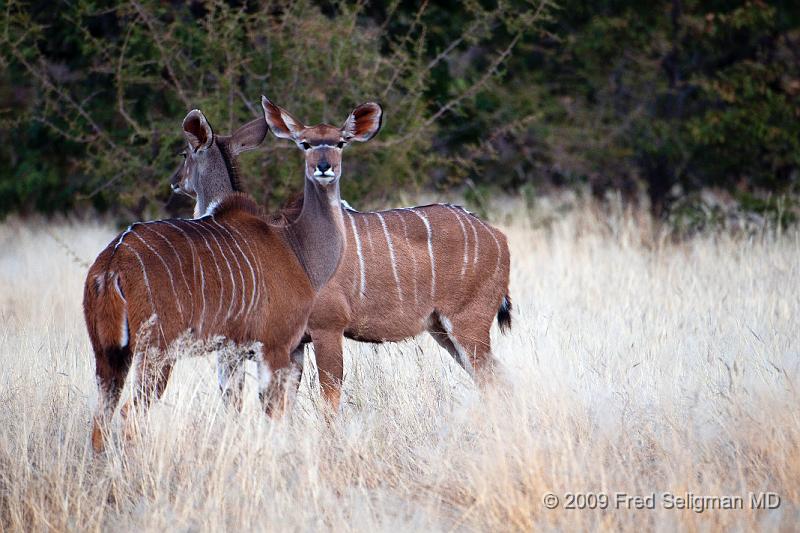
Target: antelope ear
{"type": "Point", "coordinates": [197, 130]}
{"type": "Point", "coordinates": [363, 123]}
{"type": "Point", "coordinates": [248, 136]}
{"type": "Point", "coordinates": [280, 121]}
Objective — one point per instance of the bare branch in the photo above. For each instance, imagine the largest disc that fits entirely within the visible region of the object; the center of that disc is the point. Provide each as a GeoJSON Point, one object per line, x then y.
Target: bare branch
{"type": "Point", "coordinates": [61, 94]}
{"type": "Point", "coordinates": [121, 87]}
{"type": "Point", "coordinates": [469, 92]}
{"type": "Point", "coordinates": [154, 32]}
{"type": "Point", "coordinates": [67, 249]}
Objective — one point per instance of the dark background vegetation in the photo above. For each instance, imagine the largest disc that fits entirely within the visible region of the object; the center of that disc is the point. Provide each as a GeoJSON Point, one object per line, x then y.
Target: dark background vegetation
{"type": "Point", "coordinates": [692, 108]}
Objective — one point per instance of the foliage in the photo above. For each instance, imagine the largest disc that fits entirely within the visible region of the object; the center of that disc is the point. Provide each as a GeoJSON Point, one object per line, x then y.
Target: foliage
{"type": "Point", "coordinates": [96, 91]}
{"type": "Point", "coordinates": [665, 97]}
{"type": "Point", "coordinates": [661, 99]}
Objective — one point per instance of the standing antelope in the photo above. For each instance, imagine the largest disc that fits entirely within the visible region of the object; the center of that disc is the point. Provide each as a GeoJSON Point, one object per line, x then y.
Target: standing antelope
{"type": "Point", "coordinates": [228, 274]}
{"type": "Point", "coordinates": [404, 271]}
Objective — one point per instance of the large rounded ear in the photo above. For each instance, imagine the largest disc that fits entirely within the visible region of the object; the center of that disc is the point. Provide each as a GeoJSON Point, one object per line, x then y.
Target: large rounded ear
{"type": "Point", "coordinates": [363, 123]}
{"type": "Point", "coordinates": [248, 136]}
{"type": "Point", "coordinates": [197, 130]}
{"type": "Point", "coordinates": [280, 121]}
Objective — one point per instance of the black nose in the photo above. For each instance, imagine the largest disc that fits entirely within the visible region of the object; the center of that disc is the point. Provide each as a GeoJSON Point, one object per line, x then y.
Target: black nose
{"type": "Point", "coordinates": [323, 166]}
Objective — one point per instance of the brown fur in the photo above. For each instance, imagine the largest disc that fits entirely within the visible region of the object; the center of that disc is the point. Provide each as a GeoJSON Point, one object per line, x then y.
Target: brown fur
{"type": "Point", "coordinates": [229, 274]}
{"type": "Point", "coordinates": [470, 302]}
{"type": "Point", "coordinates": [456, 301]}
{"type": "Point", "coordinates": [456, 309]}
{"type": "Point", "coordinates": [289, 211]}
{"type": "Point", "coordinates": [134, 303]}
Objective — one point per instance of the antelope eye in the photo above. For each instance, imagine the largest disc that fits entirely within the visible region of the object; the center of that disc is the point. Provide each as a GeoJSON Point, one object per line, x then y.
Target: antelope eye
{"type": "Point", "coordinates": [341, 144]}
{"type": "Point", "coordinates": [305, 145]}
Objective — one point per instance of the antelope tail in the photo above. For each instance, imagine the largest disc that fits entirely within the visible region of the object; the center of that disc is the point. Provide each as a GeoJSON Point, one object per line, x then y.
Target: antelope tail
{"type": "Point", "coordinates": [106, 312]}
{"type": "Point", "coordinates": [504, 314]}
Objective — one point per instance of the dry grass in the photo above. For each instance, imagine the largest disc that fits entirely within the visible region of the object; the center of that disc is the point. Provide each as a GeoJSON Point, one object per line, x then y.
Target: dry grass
{"type": "Point", "coordinates": [634, 367]}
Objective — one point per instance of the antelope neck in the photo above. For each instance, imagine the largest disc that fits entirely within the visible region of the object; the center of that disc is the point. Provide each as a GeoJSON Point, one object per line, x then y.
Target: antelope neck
{"type": "Point", "coordinates": [231, 163]}
{"type": "Point", "coordinates": [316, 237]}
{"type": "Point", "coordinates": [215, 190]}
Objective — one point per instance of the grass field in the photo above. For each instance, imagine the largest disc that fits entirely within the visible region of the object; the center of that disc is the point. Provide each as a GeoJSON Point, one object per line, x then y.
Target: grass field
{"type": "Point", "coordinates": [636, 366]}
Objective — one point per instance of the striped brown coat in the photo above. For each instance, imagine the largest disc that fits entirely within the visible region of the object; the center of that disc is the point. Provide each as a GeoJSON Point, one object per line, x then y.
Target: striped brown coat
{"type": "Point", "coordinates": [435, 268]}
{"type": "Point", "coordinates": [161, 288]}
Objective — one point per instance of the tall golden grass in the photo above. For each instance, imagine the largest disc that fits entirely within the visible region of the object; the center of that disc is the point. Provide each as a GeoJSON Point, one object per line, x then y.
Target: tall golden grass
{"type": "Point", "coordinates": [636, 365]}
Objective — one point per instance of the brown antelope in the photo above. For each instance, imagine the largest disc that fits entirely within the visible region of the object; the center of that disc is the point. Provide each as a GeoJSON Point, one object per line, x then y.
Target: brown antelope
{"type": "Point", "coordinates": [436, 268]}
{"type": "Point", "coordinates": [230, 274]}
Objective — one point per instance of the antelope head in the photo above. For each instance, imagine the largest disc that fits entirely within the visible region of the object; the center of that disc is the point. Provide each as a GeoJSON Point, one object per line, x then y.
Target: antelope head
{"type": "Point", "coordinates": [210, 171]}
{"type": "Point", "coordinates": [323, 144]}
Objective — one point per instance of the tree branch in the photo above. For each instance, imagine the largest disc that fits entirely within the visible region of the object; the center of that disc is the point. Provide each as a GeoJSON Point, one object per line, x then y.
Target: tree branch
{"type": "Point", "coordinates": [154, 32]}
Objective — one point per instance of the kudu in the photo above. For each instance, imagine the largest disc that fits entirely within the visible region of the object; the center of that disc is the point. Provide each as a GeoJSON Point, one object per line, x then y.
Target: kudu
{"type": "Point", "coordinates": [230, 276]}
{"type": "Point", "coordinates": [437, 268]}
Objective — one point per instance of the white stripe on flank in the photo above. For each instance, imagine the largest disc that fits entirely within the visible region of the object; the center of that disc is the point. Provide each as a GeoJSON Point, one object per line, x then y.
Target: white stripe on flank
{"type": "Point", "coordinates": [413, 253]}
{"type": "Point", "coordinates": [166, 221]}
{"type": "Point", "coordinates": [496, 243]}
{"type": "Point", "coordinates": [195, 260]}
{"type": "Point", "coordinates": [180, 265]}
{"type": "Point", "coordinates": [169, 272]}
{"type": "Point", "coordinates": [464, 234]}
{"type": "Point", "coordinates": [361, 270]}
{"type": "Point", "coordinates": [350, 235]}
{"type": "Point", "coordinates": [474, 234]}
{"type": "Point", "coordinates": [249, 265]}
{"type": "Point", "coordinates": [147, 285]}
{"type": "Point", "coordinates": [230, 271]}
{"type": "Point", "coordinates": [430, 249]}
{"type": "Point", "coordinates": [197, 227]}
{"type": "Point", "coordinates": [123, 235]}
{"type": "Point", "coordinates": [238, 266]}
{"type": "Point", "coordinates": [392, 257]}
{"type": "Point", "coordinates": [368, 232]}
{"type": "Point", "coordinates": [256, 296]}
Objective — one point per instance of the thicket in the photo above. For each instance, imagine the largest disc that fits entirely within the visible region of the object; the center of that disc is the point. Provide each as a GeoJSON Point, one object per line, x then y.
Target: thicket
{"type": "Point", "coordinates": [658, 100]}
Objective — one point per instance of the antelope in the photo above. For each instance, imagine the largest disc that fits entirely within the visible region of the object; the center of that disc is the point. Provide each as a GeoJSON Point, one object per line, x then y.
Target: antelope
{"type": "Point", "coordinates": [435, 268]}
{"type": "Point", "coordinates": [231, 275]}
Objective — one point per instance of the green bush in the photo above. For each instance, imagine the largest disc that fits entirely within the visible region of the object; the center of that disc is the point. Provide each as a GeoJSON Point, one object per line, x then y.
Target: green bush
{"type": "Point", "coordinates": [94, 93]}
{"type": "Point", "coordinates": [659, 100]}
